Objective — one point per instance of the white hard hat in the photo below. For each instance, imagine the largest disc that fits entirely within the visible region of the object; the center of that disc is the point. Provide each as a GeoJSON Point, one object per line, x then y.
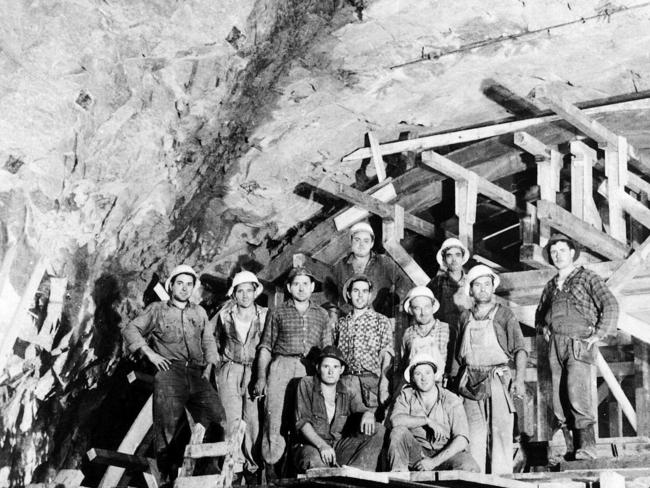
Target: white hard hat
{"type": "Point", "coordinates": [420, 291]}
{"type": "Point", "coordinates": [451, 242]}
{"type": "Point", "coordinates": [433, 358]}
{"type": "Point", "coordinates": [245, 277]}
{"type": "Point", "coordinates": [478, 271]}
{"type": "Point", "coordinates": [179, 270]}
{"type": "Point", "coordinates": [362, 227]}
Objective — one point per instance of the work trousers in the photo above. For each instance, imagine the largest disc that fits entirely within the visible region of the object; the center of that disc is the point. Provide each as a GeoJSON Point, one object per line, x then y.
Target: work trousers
{"type": "Point", "coordinates": [491, 424]}
{"type": "Point", "coordinates": [279, 409]}
{"type": "Point", "coordinates": [233, 381]}
{"type": "Point", "coordinates": [404, 451]}
{"type": "Point", "coordinates": [174, 390]}
{"type": "Point", "coordinates": [571, 377]}
{"type": "Point", "coordinates": [360, 450]}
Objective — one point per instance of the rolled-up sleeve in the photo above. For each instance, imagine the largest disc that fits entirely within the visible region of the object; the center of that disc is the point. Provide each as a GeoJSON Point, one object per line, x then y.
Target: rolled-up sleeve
{"type": "Point", "coordinates": [401, 405]}
{"type": "Point", "coordinates": [457, 419]}
{"type": "Point", "coordinates": [303, 404]}
{"type": "Point", "coordinates": [135, 331]}
{"type": "Point", "coordinates": [514, 336]}
{"type": "Point", "coordinates": [270, 333]}
{"type": "Point", "coordinates": [208, 341]}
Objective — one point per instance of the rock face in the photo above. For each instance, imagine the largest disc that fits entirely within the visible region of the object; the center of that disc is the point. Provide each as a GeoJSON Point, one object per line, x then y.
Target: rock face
{"type": "Point", "coordinates": [137, 134]}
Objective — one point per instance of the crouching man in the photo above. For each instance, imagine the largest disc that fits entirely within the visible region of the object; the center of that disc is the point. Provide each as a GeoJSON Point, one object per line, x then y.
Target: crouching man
{"type": "Point", "coordinates": [430, 429]}
{"type": "Point", "coordinates": [327, 429]}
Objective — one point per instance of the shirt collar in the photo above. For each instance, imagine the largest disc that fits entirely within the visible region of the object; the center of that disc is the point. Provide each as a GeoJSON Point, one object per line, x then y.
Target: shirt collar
{"type": "Point", "coordinates": [569, 277]}
{"type": "Point", "coordinates": [419, 397]}
{"type": "Point", "coordinates": [318, 385]}
{"type": "Point", "coordinates": [350, 257]}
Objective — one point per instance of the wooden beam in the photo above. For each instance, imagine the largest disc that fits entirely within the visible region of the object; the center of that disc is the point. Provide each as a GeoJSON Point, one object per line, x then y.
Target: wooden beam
{"type": "Point", "coordinates": [532, 145]}
{"type": "Point", "coordinates": [130, 443]}
{"type": "Point", "coordinates": [465, 197]}
{"type": "Point", "coordinates": [474, 134]}
{"type": "Point", "coordinates": [198, 433]}
{"type": "Point", "coordinates": [391, 243]}
{"type": "Point", "coordinates": [455, 171]}
{"type": "Point", "coordinates": [321, 270]}
{"type": "Point", "coordinates": [616, 390]}
{"type": "Point", "coordinates": [587, 235]}
{"type": "Point", "coordinates": [616, 217]}
{"type": "Point", "coordinates": [630, 267]}
{"type": "Point", "coordinates": [207, 449]}
{"type": "Point", "coordinates": [355, 214]}
{"type": "Point", "coordinates": [636, 209]}
{"type": "Point", "coordinates": [373, 205]}
{"type": "Point", "coordinates": [380, 166]}
{"type": "Point", "coordinates": [203, 481]}
{"type": "Point", "coordinates": [582, 164]}
{"type": "Point", "coordinates": [234, 446]}
{"type": "Point", "coordinates": [119, 459]}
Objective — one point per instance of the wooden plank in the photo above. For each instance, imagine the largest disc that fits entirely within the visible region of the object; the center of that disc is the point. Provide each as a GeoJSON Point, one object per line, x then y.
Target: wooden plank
{"type": "Point", "coordinates": [412, 269]}
{"type": "Point", "coordinates": [207, 449]}
{"type": "Point", "coordinates": [630, 267]}
{"type": "Point", "coordinates": [119, 459]}
{"type": "Point", "coordinates": [532, 145]}
{"type": "Point", "coordinates": [353, 215]}
{"type": "Point", "coordinates": [198, 433]}
{"type": "Point", "coordinates": [373, 205]}
{"type": "Point", "coordinates": [380, 166]}
{"type": "Point", "coordinates": [474, 134]}
{"type": "Point", "coordinates": [234, 446]}
{"type": "Point", "coordinates": [585, 157]}
{"type": "Point", "coordinates": [616, 217]}
{"type": "Point", "coordinates": [611, 479]}
{"type": "Point", "coordinates": [204, 481]}
{"type": "Point", "coordinates": [455, 171]}
{"type": "Point", "coordinates": [636, 209]}
{"type": "Point", "coordinates": [465, 204]}
{"type": "Point", "coordinates": [10, 334]}
{"type": "Point", "coordinates": [616, 390]}
{"type": "Point", "coordinates": [130, 443]}
{"type": "Point", "coordinates": [642, 386]}
{"type": "Point", "coordinates": [585, 234]}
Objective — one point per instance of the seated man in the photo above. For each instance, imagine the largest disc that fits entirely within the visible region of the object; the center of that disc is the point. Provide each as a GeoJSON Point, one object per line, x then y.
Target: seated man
{"type": "Point", "coordinates": [324, 420]}
{"type": "Point", "coordinates": [429, 423]}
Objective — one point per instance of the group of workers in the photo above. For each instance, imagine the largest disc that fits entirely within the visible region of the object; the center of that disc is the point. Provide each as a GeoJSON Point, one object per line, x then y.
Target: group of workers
{"type": "Point", "coordinates": [327, 394]}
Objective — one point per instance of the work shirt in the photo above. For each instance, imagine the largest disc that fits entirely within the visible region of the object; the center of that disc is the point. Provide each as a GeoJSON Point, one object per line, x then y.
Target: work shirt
{"type": "Point", "coordinates": [177, 334]}
{"type": "Point", "coordinates": [451, 295]}
{"type": "Point", "coordinates": [310, 408]}
{"type": "Point", "coordinates": [447, 411]}
{"type": "Point", "coordinates": [386, 281]}
{"type": "Point", "coordinates": [291, 333]}
{"type": "Point", "coordinates": [589, 295]}
{"type": "Point", "coordinates": [230, 344]}
{"type": "Point", "coordinates": [364, 340]}
{"type": "Point", "coordinates": [415, 342]}
{"type": "Point", "coordinates": [506, 327]}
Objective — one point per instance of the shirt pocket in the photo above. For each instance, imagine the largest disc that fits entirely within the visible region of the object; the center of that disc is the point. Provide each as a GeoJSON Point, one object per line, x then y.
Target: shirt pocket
{"type": "Point", "coordinates": [169, 331]}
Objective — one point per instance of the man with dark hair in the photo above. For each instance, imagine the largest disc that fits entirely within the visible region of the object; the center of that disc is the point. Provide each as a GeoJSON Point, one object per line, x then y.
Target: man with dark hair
{"type": "Point", "coordinates": [576, 310]}
{"type": "Point", "coordinates": [490, 341]}
{"type": "Point", "coordinates": [178, 339]}
{"type": "Point", "coordinates": [293, 332]}
{"type": "Point", "coordinates": [448, 288]}
{"type": "Point", "coordinates": [429, 426]}
{"type": "Point", "coordinates": [365, 338]}
{"type": "Point", "coordinates": [330, 433]}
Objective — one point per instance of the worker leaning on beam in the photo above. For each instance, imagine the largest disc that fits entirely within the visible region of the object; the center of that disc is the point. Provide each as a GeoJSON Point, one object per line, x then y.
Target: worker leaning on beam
{"type": "Point", "coordinates": [294, 334]}
{"type": "Point", "coordinates": [490, 340]}
{"type": "Point", "coordinates": [381, 270]}
{"type": "Point", "coordinates": [576, 310]}
{"type": "Point", "coordinates": [448, 287]}
{"type": "Point", "coordinates": [178, 339]}
{"type": "Point", "coordinates": [365, 338]}
{"type": "Point", "coordinates": [238, 329]}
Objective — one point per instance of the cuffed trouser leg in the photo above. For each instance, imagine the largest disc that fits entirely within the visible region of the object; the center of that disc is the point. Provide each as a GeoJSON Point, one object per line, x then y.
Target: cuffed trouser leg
{"type": "Point", "coordinates": [307, 457]}
{"type": "Point", "coordinates": [361, 451]}
{"type": "Point", "coordinates": [477, 413]}
{"type": "Point", "coordinates": [282, 371]}
{"type": "Point", "coordinates": [233, 380]}
{"type": "Point", "coordinates": [403, 449]}
{"type": "Point", "coordinates": [502, 422]}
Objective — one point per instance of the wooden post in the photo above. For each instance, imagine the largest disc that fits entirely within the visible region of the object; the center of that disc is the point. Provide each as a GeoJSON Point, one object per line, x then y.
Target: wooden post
{"type": "Point", "coordinates": [380, 166]}
{"type": "Point", "coordinates": [616, 390]}
{"type": "Point", "coordinates": [614, 187]}
{"type": "Point", "coordinates": [642, 386]}
{"type": "Point", "coordinates": [198, 433]}
{"type": "Point", "coordinates": [545, 416]}
{"type": "Point", "coordinates": [465, 203]}
{"type": "Point", "coordinates": [582, 200]}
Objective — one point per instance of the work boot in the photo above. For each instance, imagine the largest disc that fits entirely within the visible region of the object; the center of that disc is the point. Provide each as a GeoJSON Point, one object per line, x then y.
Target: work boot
{"type": "Point", "coordinates": [555, 456]}
{"type": "Point", "coordinates": [586, 444]}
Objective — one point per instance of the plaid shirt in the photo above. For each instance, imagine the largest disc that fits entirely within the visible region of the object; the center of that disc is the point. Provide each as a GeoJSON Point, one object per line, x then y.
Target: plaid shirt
{"type": "Point", "coordinates": [364, 340]}
{"type": "Point", "coordinates": [444, 287]}
{"type": "Point", "coordinates": [589, 294]}
{"type": "Point", "coordinates": [413, 341]}
{"type": "Point", "coordinates": [290, 333]}
{"type": "Point", "coordinates": [229, 343]}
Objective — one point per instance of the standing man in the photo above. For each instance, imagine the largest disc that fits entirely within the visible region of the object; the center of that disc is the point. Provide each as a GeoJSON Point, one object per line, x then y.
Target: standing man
{"type": "Point", "coordinates": [238, 330]}
{"type": "Point", "coordinates": [448, 287]}
{"type": "Point", "coordinates": [293, 333]}
{"type": "Point", "coordinates": [490, 340]}
{"type": "Point", "coordinates": [576, 310]}
{"type": "Point", "coordinates": [365, 338]}
{"type": "Point", "coordinates": [427, 333]}
{"type": "Point", "coordinates": [429, 426]}
{"type": "Point", "coordinates": [325, 419]}
{"type": "Point", "coordinates": [381, 270]}
{"type": "Point", "coordinates": [178, 339]}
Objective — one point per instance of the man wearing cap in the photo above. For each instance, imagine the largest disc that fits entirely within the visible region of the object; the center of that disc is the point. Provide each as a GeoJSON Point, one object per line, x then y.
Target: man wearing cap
{"type": "Point", "coordinates": [429, 426]}
{"type": "Point", "coordinates": [293, 333]}
{"type": "Point", "coordinates": [490, 341]}
{"type": "Point", "coordinates": [427, 333]}
{"type": "Point", "coordinates": [448, 287]}
{"type": "Point", "coordinates": [330, 433]}
{"type": "Point", "coordinates": [576, 310]}
{"type": "Point", "coordinates": [381, 270]}
{"type": "Point", "coordinates": [178, 339]}
{"type": "Point", "coordinates": [238, 329]}
{"type": "Point", "coordinates": [365, 338]}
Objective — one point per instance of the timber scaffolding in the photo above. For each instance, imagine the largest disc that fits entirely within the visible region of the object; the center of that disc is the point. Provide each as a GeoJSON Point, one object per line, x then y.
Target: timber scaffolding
{"type": "Point", "coordinates": [509, 185]}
